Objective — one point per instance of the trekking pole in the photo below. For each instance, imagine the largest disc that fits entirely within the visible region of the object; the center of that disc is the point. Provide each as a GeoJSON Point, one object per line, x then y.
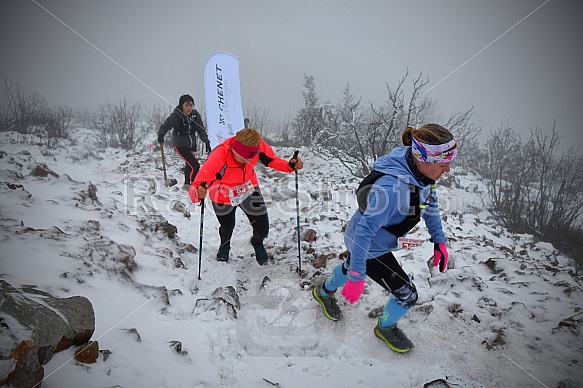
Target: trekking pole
{"type": "Point", "coordinates": [298, 218]}
{"type": "Point", "coordinates": [164, 164]}
{"type": "Point", "coordinates": [200, 233]}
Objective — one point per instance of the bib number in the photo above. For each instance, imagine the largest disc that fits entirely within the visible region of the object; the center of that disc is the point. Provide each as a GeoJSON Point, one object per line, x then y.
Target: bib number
{"type": "Point", "coordinates": [240, 193]}
{"type": "Point", "coordinates": [405, 243]}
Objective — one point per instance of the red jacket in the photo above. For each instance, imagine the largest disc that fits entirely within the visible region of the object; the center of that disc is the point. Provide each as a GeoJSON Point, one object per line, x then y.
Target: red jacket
{"type": "Point", "coordinates": [222, 162]}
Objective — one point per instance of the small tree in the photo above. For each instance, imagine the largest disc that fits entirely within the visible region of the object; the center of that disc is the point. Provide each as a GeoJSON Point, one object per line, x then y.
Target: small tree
{"type": "Point", "coordinates": [308, 122]}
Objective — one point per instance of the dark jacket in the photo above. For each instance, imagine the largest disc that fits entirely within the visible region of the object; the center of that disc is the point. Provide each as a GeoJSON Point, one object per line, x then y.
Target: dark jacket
{"type": "Point", "coordinates": [183, 129]}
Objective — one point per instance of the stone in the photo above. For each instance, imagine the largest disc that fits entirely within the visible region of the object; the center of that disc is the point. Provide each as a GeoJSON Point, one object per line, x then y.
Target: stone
{"type": "Point", "coordinates": [87, 353]}
{"type": "Point", "coordinates": [35, 325]}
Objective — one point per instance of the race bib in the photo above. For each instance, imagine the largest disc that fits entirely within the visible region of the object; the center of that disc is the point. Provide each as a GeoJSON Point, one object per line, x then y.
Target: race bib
{"type": "Point", "coordinates": [404, 243]}
{"type": "Point", "coordinates": [239, 193]}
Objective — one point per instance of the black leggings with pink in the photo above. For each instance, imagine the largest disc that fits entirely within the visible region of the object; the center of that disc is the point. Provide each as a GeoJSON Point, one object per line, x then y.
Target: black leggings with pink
{"type": "Point", "coordinates": [191, 166]}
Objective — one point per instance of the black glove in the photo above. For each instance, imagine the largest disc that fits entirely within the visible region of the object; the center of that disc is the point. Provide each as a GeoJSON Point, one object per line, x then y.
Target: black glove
{"type": "Point", "coordinates": [208, 148]}
{"type": "Point", "coordinates": [160, 139]}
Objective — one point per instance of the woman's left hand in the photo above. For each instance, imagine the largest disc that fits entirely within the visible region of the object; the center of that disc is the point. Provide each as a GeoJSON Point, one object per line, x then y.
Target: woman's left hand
{"type": "Point", "coordinates": [296, 163]}
{"type": "Point", "coordinates": [440, 256]}
{"type": "Point", "coordinates": [353, 290]}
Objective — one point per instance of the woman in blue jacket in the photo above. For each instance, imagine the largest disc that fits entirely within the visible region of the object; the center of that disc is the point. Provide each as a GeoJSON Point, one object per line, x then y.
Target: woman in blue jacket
{"type": "Point", "coordinates": [399, 192]}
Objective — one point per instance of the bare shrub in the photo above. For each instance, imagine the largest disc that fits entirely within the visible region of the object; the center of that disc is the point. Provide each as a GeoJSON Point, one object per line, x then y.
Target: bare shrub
{"type": "Point", "coordinates": [119, 125]}
{"type": "Point", "coordinates": [258, 118]}
{"type": "Point", "coordinates": [84, 117]}
{"type": "Point", "coordinates": [20, 111]}
{"type": "Point", "coordinates": [534, 190]}
{"type": "Point", "coordinates": [57, 122]}
{"type": "Point", "coordinates": [466, 134]}
{"type": "Point", "coordinates": [155, 117]}
{"type": "Point", "coordinates": [31, 117]}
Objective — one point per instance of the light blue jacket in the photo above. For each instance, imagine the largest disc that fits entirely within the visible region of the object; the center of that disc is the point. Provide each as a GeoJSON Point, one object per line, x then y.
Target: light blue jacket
{"type": "Point", "coordinates": [388, 204]}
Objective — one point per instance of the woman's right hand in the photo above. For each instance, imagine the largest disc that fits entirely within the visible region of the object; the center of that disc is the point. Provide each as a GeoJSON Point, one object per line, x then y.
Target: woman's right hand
{"type": "Point", "coordinates": [201, 191]}
{"type": "Point", "coordinates": [197, 193]}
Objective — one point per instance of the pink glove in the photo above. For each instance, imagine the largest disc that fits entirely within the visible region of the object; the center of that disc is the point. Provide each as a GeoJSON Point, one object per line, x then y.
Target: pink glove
{"type": "Point", "coordinates": [353, 290]}
{"type": "Point", "coordinates": [440, 256]}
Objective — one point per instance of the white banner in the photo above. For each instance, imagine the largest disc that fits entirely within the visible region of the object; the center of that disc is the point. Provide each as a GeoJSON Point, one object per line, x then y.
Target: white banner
{"type": "Point", "coordinates": [222, 93]}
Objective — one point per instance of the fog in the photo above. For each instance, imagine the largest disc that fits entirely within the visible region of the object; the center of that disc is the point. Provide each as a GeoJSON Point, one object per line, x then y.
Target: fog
{"type": "Point", "coordinates": [515, 62]}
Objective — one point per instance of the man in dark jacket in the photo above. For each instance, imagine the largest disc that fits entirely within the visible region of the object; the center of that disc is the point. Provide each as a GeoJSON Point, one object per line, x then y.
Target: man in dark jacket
{"type": "Point", "coordinates": [185, 121]}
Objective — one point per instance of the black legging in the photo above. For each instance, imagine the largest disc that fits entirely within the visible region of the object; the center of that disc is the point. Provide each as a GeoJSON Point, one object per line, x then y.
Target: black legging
{"type": "Point", "coordinates": [255, 210]}
{"type": "Point", "coordinates": [191, 165]}
{"type": "Point", "coordinates": [386, 271]}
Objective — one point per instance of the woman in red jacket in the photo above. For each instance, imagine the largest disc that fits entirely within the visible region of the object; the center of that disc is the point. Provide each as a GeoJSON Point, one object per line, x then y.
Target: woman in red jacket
{"type": "Point", "coordinates": [229, 177]}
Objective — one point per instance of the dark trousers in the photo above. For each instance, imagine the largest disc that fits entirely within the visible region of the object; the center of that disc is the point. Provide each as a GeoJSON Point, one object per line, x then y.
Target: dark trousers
{"type": "Point", "coordinates": [386, 271]}
{"type": "Point", "coordinates": [191, 166]}
{"type": "Point", "coordinates": [255, 210]}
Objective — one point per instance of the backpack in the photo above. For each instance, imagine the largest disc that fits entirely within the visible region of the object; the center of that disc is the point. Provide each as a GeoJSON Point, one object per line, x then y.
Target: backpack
{"type": "Point", "coordinates": [414, 216]}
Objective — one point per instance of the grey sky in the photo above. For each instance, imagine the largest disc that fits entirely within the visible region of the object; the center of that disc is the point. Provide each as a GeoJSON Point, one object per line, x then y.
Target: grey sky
{"type": "Point", "coordinates": [528, 77]}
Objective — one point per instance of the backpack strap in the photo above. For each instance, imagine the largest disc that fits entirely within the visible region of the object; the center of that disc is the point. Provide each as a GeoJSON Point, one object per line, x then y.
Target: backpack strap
{"type": "Point", "coordinates": [364, 189]}
{"type": "Point", "coordinates": [219, 175]}
{"type": "Point", "coordinates": [414, 216]}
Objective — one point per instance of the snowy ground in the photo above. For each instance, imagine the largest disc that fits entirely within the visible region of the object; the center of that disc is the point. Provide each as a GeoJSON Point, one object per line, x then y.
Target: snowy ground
{"type": "Point", "coordinates": [508, 313]}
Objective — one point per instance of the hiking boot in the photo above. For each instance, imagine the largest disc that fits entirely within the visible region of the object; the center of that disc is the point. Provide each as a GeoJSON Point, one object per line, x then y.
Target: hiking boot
{"type": "Point", "coordinates": [223, 253]}
{"type": "Point", "coordinates": [394, 337]}
{"type": "Point", "coordinates": [186, 186]}
{"type": "Point", "coordinates": [328, 303]}
{"type": "Point", "coordinates": [260, 254]}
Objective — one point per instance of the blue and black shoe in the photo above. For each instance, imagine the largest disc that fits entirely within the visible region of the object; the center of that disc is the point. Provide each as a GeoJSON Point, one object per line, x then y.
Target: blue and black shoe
{"type": "Point", "coordinates": [394, 338]}
{"type": "Point", "coordinates": [328, 303]}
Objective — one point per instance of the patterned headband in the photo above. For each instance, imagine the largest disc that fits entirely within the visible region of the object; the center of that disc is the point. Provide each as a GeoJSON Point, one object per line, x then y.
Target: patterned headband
{"type": "Point", "coordinates": [430, 153]}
